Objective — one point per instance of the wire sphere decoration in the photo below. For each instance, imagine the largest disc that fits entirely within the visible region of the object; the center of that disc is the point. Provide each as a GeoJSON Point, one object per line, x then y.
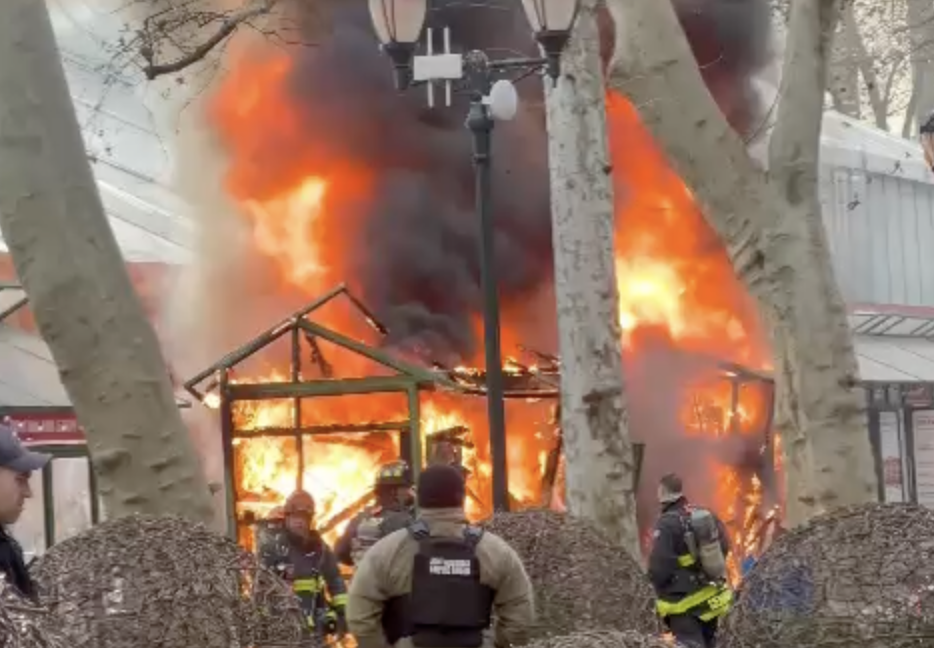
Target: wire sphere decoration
{"type": "Point", "coordinates": [582, 580]}
{"type": "Point", "coordinates": [23, 624]}
{"type": "Point", "coordinates": [858, 576]}
{"type": "Point", "coordinates": [165, 582]}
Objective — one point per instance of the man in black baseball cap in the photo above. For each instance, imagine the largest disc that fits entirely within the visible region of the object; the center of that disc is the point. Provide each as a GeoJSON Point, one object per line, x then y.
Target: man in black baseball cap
{"type": "Point", "coordinates": [16, 466]}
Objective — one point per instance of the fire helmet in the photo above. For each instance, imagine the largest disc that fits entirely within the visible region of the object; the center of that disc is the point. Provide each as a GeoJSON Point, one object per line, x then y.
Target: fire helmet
{"type": "Point", "coordinates": [299, 503]}
{"type": "Point", "coordinates": [276, 513]}
{"type": "Point", "coordinates": [396, 473]}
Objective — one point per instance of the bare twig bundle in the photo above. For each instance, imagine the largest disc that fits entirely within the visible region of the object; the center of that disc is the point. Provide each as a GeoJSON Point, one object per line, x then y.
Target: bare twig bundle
{"type": "Point", "coordinates": [24, 624]}
{"type": "Point", "coordinates": [606, 639]}
{"type": "Point", "coordinates": [860, 576]}
{"type": "Point", "coordinates": [164, 582]}
{"type": "Point", "coordinates": [582, 580]}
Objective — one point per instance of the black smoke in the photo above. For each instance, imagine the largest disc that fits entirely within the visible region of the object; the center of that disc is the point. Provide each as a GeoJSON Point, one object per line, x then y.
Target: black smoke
{"type": "Point", "coordinates": [415, 260]}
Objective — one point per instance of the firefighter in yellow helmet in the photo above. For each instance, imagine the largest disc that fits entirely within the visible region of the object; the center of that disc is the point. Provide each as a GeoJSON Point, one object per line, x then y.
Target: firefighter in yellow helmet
{"type": "Point", "coordinates": [308, 563]}
{"type": "Point", "coordinates": [394, 509]}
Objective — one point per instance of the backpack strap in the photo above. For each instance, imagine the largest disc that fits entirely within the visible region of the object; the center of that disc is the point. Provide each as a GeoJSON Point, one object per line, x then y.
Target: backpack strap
{"type": "Point", "coordinates": [419, 530]}
{"type": "Point", "coordinates": [472, 535]}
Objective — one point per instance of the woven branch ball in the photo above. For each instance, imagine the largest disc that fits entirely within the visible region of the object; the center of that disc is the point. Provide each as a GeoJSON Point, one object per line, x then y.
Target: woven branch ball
{"type": "Point", "coordinates": [860, 576]}
{"type": "Point", "coordinates": [606, 639]}
{"type": "Point", "coordinates": [164, 582]}
{"type": "Point", "coordinates": [582, 580]}
{"type": "Point", "coordinates": [25, 625]}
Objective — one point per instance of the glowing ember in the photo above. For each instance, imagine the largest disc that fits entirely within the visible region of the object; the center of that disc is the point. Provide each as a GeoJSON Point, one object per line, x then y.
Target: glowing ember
{"type": "Point", "coordinates": [301, 213]}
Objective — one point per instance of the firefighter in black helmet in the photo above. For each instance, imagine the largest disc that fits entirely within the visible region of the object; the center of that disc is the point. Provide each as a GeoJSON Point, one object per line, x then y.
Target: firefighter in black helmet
{"type": "Point", "coordinates": [310, 566]}
{"type": "Point", "coordinates": [394, 509]}
{"type": "Point", "coordinates": [687, 567]}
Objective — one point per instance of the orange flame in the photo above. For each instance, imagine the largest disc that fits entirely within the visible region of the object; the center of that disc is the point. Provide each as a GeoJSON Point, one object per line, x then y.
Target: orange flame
{"type": "Point", "coordinates": [668, 276]}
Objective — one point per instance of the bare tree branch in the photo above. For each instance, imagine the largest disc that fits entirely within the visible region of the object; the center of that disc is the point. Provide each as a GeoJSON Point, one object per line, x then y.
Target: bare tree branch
{"type": "Point", "coordinates": [162, 26]}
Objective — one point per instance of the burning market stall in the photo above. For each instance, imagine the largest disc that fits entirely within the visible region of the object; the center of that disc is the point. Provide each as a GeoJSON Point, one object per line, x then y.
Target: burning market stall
{"type": "Point", "coordinates": [284, 432]}
{"type": "Point", "coordinates": [294, 424]}
{"type": "Point", "coordinates": [218, 386]}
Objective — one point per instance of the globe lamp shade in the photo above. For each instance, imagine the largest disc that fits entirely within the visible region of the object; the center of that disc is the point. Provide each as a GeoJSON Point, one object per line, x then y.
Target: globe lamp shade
{"type": "Point", "coordinates": [551, 15]}
{"type": "Point", "coordinates": [398, 21]}
{"type": "Point", "coordinates": [398, 25]}
{"type": "Point", "coordinates": [927, 140]}
{"type": "Point", "coordinates": [552, 22]}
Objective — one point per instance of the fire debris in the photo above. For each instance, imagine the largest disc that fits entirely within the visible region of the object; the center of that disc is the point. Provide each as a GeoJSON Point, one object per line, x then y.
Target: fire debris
{"type": "Point", "coordinates": [447, 446]}
{"type": "Point", "coordinates": [582, 580]}
{"type": "Point", "coordinates": [859, 576]}
{"type": "Point", "coordinates": [539, 380]}
{"type": "Point", "coordinates": [164, 582]}
{"type": "Point", "coordinates": [25, 625]}
{"type": "Point", "coordinates": [605, 639]}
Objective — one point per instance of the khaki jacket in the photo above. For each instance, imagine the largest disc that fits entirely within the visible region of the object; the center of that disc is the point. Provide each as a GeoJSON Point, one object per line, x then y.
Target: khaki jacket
{"type": "Point", "coordinates": [386, 572]}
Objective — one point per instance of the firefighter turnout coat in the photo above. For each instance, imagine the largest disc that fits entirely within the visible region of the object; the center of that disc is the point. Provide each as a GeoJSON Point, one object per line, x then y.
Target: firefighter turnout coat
{"type": "Point", "coordinates": [385, 575]}
{"type": "Point", "coordinates": [359, 537]}
{"type": "Point", "coordinates": [678, 579]}
{"type": "Point", "coordinates": [311, 568]}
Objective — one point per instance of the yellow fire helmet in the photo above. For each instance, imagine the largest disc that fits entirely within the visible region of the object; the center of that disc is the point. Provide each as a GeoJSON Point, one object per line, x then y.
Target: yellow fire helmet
{"type": "Point", "coordinates": [298, 503]}
{"type": "Point", "coordinates": [396, 473]}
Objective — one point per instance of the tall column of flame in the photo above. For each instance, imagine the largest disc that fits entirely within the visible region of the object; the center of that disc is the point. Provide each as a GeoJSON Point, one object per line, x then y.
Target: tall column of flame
{"type": "Point", "coordinates": [667, 274]}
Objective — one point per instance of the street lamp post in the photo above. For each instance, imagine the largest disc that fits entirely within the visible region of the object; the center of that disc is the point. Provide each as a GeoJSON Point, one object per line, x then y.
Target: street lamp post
{"type": "Point", "coordinates": [399, 25]}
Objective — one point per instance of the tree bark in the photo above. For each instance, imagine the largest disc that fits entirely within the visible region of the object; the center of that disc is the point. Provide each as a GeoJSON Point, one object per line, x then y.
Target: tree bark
{"type": "Point", "coordinates": [844, 74]}
{"type": "Point", "coordinates": [920, 17]}
{"type": "Point", "coordinates": [853, 41]}
{"type": "Point", "coordinates": [599, 460]}
{"type": "Point", "coordinates": [771, 225]}
{"type": "Point", "coordinates": [68, 261]}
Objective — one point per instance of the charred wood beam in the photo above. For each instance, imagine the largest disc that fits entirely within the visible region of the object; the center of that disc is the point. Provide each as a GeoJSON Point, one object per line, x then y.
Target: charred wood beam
{"type": "Point", "coordinates": [550, 475]}
{"type": "Point", "coordinates": [553, 361]}
{"type": "Point", "coordinates": [312, 388]}
{"type": "Point", "coordinates": [336, 428]}
{"type": "Point", "coordinates": [317, 357]}
{"type": "Point", "coordinates": [423, 376]}
{"type": "Point", "coordinates": [264, 339]}
{"type": "Point", "coordinates": [367, 314]}
{"type": "Point", "coordinates": [523, 394]}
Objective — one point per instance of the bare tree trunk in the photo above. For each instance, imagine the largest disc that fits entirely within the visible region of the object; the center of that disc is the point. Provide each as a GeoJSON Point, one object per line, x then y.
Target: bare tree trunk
{"type": "Point", "coordinates": [771, 225]}
{"type": "Point", "coordinates": [921, 33]}
{"type": "Point", "coordinates": [844, 75]}
{"type": "Point", "coordinates": [600, 468]}
{"type": "Point", "coordinates": [67, 258]}
{"type": "Point", "coordinates": [853, 42]}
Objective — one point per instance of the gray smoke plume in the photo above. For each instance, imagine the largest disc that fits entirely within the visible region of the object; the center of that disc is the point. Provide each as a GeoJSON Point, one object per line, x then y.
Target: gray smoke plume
{"type": "Point", "coordinates": [414, 248]}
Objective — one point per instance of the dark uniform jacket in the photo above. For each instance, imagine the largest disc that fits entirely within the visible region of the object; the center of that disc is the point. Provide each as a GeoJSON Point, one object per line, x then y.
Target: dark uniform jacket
{"type": "Point", "coordinates": [312, 569]}
{"type": "Point", "coordinates": [392, 519]}
{"type": "Point", "coordinates": [671, 580]}
{"type": "Point", "coordinates": [13, 566]}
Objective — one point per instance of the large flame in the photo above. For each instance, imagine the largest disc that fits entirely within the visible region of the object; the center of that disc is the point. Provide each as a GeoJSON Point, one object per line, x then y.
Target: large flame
{"type": "Point", "coordinates": [670, 279]}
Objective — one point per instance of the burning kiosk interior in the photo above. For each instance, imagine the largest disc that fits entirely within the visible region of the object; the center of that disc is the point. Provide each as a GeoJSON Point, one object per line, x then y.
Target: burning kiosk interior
{"type": "Point", "coordinates": [306, 427]}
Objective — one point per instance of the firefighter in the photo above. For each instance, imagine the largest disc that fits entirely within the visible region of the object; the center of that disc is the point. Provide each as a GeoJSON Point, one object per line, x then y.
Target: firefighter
{"type": "Point", "coordinates": [687, 567]}
{"type": "Point", "coordinates": [394, 510]}
{"type": "Point", "coordinates": [440, 581]}
{"type": "Point", "coordinates": [308, 563]}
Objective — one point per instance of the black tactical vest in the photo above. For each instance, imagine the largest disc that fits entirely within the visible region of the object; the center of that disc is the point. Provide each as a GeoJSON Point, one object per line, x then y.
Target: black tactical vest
{"type": "Point", "coordinates": [448, 606]}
